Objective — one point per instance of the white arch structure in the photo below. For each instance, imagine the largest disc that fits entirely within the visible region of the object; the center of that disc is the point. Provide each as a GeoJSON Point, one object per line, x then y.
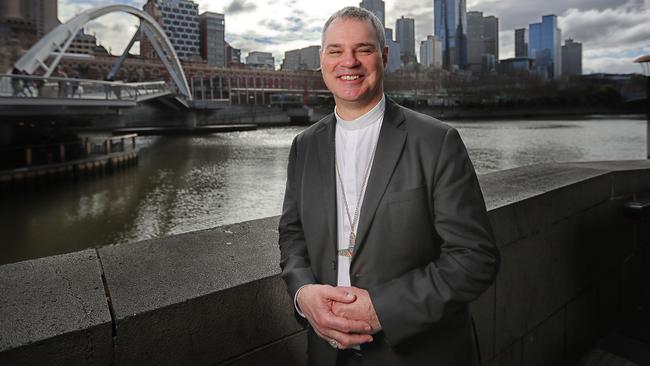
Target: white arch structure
{"type": "Point", "coordinates": [52, 47]}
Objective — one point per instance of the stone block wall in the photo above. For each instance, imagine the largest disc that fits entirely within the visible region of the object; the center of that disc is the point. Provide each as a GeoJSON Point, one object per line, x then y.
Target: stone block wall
{"type": "Point", "coordinates": [571, 265]}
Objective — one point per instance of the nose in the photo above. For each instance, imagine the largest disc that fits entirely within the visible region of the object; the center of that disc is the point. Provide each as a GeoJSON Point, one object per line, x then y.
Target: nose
{"type": "Point", "coordinates": [350, 59]}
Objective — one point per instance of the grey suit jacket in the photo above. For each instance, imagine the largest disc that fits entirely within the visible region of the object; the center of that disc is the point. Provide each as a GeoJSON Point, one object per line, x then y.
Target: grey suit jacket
{"type": "Point", "coordinates": [425, 248]}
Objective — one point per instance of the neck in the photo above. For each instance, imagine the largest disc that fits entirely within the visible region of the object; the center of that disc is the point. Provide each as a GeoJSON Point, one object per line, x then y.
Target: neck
{"type": "Point", "coordinates": [352, 110]}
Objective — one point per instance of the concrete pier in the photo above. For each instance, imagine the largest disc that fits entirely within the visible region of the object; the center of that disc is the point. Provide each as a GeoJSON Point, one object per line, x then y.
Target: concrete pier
{"type": "Point", "coordinates": [573, 266]}
{"type": "Point", "coordinates": [96, 157]}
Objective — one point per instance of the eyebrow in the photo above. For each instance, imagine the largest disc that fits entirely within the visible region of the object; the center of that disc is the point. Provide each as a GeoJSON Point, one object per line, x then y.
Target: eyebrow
{"type": "Point", "coordinates": [358, 45]}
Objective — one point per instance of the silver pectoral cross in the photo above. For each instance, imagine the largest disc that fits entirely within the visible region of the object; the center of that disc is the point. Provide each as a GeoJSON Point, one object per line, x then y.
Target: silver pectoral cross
{"type": "Point", "coordinates": [347, 252]}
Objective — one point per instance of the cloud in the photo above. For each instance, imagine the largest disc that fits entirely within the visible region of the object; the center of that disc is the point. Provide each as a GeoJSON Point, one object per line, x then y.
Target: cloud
{"type": "Point", "coordinates": [239, 6]}
{"type": "Point", "coordinates": [612, 38]}
{"type": "Point", "coordinates": [612, 31]}
{"type": "Point", "coordinates": [114, 30]}
{"type": "Point", "coordinates": [610, 65]}
{"type": "Point", "coordinates": [618, 29]}
{"type": "Point", "coordinates": [518, 14]}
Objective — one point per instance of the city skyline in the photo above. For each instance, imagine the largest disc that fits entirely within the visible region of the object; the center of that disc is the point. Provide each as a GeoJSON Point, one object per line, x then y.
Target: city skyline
{"type": "Point", "coordinates": [612, 31]}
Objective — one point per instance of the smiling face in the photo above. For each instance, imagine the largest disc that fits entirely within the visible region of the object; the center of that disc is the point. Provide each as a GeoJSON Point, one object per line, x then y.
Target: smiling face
{"type": "Point", "coordinates": [352, 65]}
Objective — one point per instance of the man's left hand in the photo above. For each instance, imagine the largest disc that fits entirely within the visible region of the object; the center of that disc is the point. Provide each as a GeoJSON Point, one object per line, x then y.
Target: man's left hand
{"type": "Point", "coordinates": [361, 309]}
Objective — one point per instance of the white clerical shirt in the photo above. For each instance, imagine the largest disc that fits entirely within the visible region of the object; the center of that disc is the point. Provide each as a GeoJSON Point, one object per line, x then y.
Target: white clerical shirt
{"type": "Point", "coordinates": [355, 146]}
{"type": "Point", "coordinates": [355, 141]}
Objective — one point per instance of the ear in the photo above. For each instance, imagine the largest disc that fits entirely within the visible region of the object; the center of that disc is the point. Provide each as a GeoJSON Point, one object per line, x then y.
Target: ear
{"type": "Point", "coordinates": [384, 56]}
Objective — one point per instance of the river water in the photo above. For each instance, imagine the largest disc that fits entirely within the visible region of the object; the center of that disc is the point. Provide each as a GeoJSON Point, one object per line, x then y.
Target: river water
{"type": "Point", "coordinates": [185, 183]}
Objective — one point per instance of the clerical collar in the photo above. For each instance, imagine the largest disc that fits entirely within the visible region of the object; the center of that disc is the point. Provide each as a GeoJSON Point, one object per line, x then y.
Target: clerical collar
{"type": "Point", "coordinates": [372, 116]}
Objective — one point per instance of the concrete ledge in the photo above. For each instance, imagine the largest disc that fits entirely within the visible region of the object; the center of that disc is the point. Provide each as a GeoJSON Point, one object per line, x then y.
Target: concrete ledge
{"type": "Point", "coordinates": [215, 296]}
{"type": "Point", "coordinates": [53, 310]}
{"type": "Point", "coordinates": [202, 296]}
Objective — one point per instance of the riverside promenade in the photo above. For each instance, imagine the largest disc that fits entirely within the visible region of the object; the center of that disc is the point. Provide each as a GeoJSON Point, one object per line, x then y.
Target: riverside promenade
{"type": "Point", "coordinates": [574, 268]}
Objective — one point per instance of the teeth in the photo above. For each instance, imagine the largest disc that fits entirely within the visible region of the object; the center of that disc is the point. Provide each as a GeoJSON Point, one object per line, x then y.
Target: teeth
{"type": "Point", "coordinates": [350, 77]}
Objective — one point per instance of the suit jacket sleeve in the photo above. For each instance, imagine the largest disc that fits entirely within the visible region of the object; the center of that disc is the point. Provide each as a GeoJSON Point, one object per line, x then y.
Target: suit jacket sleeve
{"type": "Point", "coordinates": [294, 259]}
{"type": "Point", "coordinates": [468, 261]}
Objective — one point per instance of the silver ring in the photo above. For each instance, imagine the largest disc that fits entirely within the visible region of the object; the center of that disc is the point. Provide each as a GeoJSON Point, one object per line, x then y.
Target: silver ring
{"type": "Point", "coordinates": [334, 343]}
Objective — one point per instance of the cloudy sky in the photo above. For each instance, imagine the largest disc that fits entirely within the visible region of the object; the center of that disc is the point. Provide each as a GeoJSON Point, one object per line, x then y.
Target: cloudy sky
{"type": "Point", "coordinates": [613, 32]}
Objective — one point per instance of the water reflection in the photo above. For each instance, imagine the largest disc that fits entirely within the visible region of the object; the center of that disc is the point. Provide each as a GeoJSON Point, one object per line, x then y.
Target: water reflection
{"type": "Point", "coordinates": [191, 183]}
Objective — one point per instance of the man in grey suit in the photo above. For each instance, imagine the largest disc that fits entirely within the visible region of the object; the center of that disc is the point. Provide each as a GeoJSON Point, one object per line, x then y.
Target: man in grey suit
{"type": "Point", "coordinates": [384, 235]}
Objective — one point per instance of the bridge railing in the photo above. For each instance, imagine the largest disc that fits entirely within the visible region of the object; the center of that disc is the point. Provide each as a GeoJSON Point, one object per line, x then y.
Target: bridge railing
{"type": "Point", "coordinates": [30, 86]}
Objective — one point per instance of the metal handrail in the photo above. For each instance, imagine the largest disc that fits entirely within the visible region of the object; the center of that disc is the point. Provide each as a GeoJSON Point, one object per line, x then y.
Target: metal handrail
{"type": "Point", "coordinates": [14, 86]}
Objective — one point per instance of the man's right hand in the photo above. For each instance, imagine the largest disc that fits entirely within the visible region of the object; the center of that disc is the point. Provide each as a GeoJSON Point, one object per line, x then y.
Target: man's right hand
{"type": "Point", "coordinates": [315, 301]}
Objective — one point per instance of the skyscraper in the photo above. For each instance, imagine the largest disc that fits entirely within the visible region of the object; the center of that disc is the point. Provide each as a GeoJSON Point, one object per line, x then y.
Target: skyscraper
{"type": "Point", "coordinates": [571, 58]}
{"type": "Point", "coordinates": [521, 42]}
{"type": "Point", "coordinates": [10, 9]}
{"type": "Point", "coordinates": [450, 24]}
{"type": "Point", "coordinates": [544, 46]}
{"type": "Point", "coordinates": [394, 61]}
{"type": "Point", "coordinates": [43, 14]}
{"type": "Point", "coordinates": [475, 43]}
{"type": "Point", "coordinates": [482, 40]}
{"type": "Point", "coordinates": [376, 7]}
{"type": "Point", "coordinates": [491, 35]}
{"type": "Point", "coordinates": [431, 52]}
{"type": "Point", "coordinates": [405, 34]}
{"type": "Point", "coordinates": [213, 44]}
{"type": "Point", "coordinates": [180, 21]}
{"type": "Point", "coordinates": [28, 20]}
{"type": "Point", "coordinates": [146, 49]}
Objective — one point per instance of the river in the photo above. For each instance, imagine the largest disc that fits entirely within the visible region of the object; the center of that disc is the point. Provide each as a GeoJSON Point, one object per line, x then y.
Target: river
{"type": "Point", "coordinates": [186, 183]}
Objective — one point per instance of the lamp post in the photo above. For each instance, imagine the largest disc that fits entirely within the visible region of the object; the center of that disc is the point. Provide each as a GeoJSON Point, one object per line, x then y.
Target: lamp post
{"type": "Point", "coordinates": [644, 61]}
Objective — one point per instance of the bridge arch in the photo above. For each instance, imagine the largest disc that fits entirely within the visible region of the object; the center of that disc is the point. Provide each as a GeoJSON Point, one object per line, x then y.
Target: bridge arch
{"type": "Point", "coordinates": [52, 47]}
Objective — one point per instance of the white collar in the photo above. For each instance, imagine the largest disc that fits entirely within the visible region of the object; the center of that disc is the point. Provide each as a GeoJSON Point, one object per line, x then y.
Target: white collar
{"type": "Point", "coordinates": [372, 116]}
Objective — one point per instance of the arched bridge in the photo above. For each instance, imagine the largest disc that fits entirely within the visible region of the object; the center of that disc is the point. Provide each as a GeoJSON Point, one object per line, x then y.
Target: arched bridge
{"type": "Point", "coordinates": [34, 82]}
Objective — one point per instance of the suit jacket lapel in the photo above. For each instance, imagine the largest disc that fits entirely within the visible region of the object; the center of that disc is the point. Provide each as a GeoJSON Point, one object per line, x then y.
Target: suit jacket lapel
{"type": "Point", "coordinates": [325, 137]}
{"type": "Point", "coordinates": [389, 148]}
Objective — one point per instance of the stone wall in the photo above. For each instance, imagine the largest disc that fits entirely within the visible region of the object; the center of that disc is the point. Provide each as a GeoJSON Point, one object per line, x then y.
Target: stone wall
{"type": "Point", "coordinates": [571, 263]}
{"type": "Point", "coordinates": [570, 268]}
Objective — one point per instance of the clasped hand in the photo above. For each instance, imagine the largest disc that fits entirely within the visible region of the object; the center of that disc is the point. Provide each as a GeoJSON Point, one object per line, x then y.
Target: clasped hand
{"type": "Point", "coordinates": [343, 314]}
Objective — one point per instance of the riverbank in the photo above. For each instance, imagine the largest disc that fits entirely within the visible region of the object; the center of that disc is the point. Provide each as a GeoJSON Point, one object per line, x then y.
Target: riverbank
{"type": "Point", "coordinates": [40, 164]}
{"type": "Point", "coordinates": [508, 113]}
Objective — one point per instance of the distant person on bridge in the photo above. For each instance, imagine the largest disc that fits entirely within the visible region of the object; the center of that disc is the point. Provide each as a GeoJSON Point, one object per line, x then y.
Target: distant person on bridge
{"type": "Point", "coordinates": [62, 84]}
{"type": "Point", "coordinates": [384, 235]}
{"type": "Point", "coordinates": [16, 83]}
{"type": "Point", "coordinates": [75, 86]}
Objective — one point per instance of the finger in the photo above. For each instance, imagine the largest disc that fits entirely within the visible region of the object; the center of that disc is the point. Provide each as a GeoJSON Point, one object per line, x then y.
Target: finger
{"type": "Point", "coordinates": [345, 325]}
{"type": "Point", "coordinates": [346, 340]}
{"type": "Point", "coordinates": [345, 310]}
{"type": "Point", "coordinates": [340, 294]}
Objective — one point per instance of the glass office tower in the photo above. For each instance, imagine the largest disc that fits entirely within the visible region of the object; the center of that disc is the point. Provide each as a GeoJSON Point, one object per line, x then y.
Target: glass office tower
{"type": "Point", "coordinates": [450, 24]}
{"type": "Point", "coordinates": [544, 46]}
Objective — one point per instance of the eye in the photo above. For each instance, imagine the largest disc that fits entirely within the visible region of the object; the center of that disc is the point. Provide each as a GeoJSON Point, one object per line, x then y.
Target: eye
{"type": "Point", "coordinates": [334, 52]}
{"type": "Point", "coordinates": [365, 51]}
